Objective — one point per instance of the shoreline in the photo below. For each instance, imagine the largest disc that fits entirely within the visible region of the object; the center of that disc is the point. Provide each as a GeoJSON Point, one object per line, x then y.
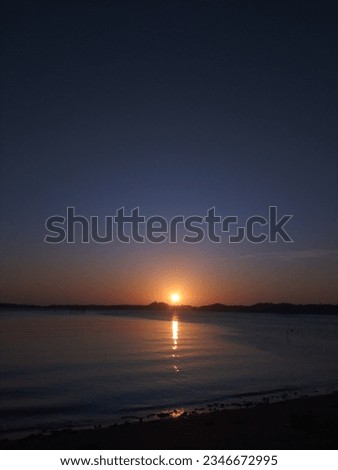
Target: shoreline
{"type": "Point", "coordinates": [165, 412]}
{"type": "Point", "coordinates": [298, 423]}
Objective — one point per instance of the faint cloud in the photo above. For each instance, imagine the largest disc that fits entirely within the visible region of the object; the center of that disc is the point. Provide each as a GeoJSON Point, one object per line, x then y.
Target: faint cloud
{"type": "Point", "coordinates": [294, 255]}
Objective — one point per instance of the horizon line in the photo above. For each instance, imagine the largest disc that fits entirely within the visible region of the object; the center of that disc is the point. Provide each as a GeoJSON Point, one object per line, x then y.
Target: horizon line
{"type": "Point", "coordinates": [165, 304]}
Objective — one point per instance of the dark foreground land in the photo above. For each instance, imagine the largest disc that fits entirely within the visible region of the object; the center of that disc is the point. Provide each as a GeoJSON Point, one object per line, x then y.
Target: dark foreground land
{"type": "Point", "coordinates": [303, 423]}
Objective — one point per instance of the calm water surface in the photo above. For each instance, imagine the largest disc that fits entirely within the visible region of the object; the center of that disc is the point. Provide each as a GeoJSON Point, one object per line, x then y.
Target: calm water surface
{"type": "Point", "coordinates": [62, 369]}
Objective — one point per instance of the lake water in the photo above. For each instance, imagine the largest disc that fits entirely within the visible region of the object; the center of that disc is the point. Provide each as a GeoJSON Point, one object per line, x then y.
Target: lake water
{"type": "Point", "coordinates": [62, 369]}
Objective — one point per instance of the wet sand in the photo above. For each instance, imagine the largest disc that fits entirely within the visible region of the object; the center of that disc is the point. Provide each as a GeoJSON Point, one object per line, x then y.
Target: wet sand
{"type": "Point", "coordinates": [302, 423]}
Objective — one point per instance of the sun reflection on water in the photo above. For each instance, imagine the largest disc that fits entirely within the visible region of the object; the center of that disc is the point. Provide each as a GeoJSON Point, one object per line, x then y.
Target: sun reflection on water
{"type": "Point", "coordinates": [175, 331]}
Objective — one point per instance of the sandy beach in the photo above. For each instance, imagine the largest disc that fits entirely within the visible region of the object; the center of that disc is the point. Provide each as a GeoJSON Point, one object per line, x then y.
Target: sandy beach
{"type": "Point", "coordinates": [302, 423]}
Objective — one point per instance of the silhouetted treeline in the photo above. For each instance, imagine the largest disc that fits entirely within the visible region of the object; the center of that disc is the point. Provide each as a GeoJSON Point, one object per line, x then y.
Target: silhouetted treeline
{"type": "Point", "coordinates": [217, 307]}
{"type": "Point", "coordinates": [273, 308]}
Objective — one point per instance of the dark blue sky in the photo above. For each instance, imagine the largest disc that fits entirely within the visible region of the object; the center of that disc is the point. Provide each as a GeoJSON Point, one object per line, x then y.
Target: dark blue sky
{"type": "Point", "coordinates": [175, 107]}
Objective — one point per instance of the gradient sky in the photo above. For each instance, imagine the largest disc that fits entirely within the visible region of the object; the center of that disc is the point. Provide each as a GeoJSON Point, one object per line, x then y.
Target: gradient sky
{"type": "Point", "coordinates": [175, 107]}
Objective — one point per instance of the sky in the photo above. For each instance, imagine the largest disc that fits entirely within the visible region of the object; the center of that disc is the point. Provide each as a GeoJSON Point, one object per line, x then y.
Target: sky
{"type": "Point", "coordinates": [172, 106]}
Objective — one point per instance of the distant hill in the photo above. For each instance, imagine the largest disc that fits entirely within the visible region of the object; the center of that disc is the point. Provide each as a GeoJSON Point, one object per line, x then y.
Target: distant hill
{"type": "Point", "coordinates": [217, 307]}
{"type": "Point", "coordinates": [272, 308]}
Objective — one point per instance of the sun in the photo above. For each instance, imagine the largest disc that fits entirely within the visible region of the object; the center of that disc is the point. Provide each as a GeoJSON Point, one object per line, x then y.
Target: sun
{"type": "Point", "coordinates": [175, 298]}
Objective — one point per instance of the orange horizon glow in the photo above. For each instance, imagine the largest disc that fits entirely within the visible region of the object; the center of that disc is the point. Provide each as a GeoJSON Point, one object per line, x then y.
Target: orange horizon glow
{"type": "Point", "coordinates": [156, 279]}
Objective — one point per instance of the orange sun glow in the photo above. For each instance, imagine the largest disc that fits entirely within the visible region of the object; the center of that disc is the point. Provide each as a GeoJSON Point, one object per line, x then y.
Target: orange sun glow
{"type": "Point", "coordinates": [175, 298]}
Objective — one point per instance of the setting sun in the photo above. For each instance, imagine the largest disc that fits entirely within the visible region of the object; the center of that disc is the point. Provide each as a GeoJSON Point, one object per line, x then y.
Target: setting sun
{"type": "Point", "coordinates": [175, 297]}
